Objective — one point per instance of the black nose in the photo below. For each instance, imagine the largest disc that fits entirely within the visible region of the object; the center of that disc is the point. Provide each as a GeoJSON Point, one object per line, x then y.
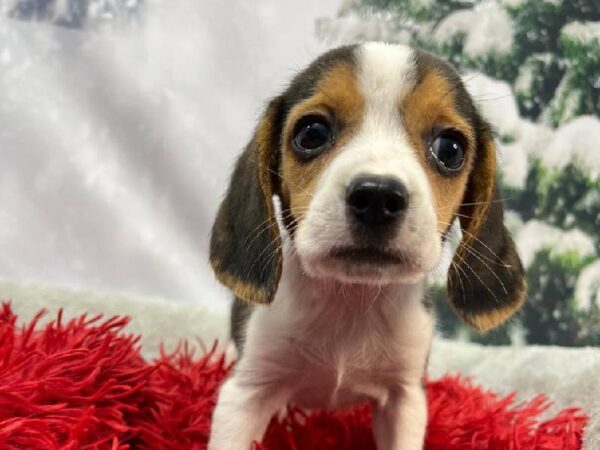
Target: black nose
{"type": "Point", "coordinates": [376, 200]}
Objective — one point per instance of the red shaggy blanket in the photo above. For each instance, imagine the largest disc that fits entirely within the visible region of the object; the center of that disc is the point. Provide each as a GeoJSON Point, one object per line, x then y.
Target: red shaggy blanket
{"type": "Point", "coordinates": [84, 385]}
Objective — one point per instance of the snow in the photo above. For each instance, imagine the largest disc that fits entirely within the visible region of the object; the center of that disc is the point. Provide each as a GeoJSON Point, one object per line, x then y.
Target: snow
{"type": "Point", "coordinates": [459, 22]}
{"type": "Point", "coordinates": [514, 163]}
{"type": "Point", "coordinates": [567, 99]}
{"type": "Point", "coordinates": [535, 235]}
{"type": "Point", "coordinates": [513, 221]}
{"type": "Point", "coordinates": [587, 289]}
{"type": "Point", "coordinates": [495, 100]}
{"type": "Point", "coordinates": [571, 143]}
{"type": "Point", "coordinates": [582, 31]}
{"type": "Point", "coordinates": [525, 79]}
{"type": "Point", "coordinates": [117, 142]}
{"type": "Point", "coordinates": [533, 137]}
{"type": "Point", "coordinates": [527, 74]}
{"type": "Point", "coordinates": [487, 29]}
{"type": "Point", "coordinates": [530, 140]}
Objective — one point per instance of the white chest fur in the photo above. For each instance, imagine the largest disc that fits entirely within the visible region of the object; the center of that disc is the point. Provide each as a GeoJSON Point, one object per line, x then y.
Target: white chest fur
{"type": "Point", "coordinates": [324, 345]}
{"type": "Point", "coordinates": [331, 344]}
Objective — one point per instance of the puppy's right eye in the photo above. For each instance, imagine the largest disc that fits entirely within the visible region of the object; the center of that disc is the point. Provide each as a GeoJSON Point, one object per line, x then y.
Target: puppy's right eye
{"type": "Point", "coordinates": [312, 136]}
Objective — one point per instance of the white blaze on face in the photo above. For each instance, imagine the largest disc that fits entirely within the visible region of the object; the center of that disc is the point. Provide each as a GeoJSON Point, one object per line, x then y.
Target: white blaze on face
{"type": "Point", "coordinates": [386, 74]}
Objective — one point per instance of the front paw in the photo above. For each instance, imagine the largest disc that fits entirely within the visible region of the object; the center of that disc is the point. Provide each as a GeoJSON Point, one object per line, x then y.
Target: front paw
{"type": "Point", "coordinates": [242, 415]}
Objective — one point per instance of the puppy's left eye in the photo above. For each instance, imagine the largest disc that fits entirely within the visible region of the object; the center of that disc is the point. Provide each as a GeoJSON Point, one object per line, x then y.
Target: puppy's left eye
{"type": "Point", "coordinates": [312, 135]}
{"type": "Point", "coordinates": [447, 150]}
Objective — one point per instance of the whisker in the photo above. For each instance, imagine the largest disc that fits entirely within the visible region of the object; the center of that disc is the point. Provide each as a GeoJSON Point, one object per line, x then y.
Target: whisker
{"type": "Point", "coordinates": [497, 200]}
{"type": "Point", "coordinates": [260, 166]}
{"type": "Point", "coordinates": [468, 233]}
{"type": "Point", "coordinates": [289, 181]}
{"type": "Point", "coordinates": [266, 225]}
{"type": "Point", "coordinates": [478, 277]}
{"type": "Point", "coordinates": [257, 258]}
{"type": "Point", "coordinates": [345, 297]}
{"type": "Point", "coordinates": [458, 268]}
{"type": "Point", "coordinates": [375, 297]}
{"type": "Point", "coordinates": [488, 267]}
{"type": "Point", "coordinates": [499, 263]}
{"type": "Point", "coordinates": [491, 99]}
{"type": "Point", "coordinates": [362, 299]}
{"type": "Point", "coordinates": [260, 229]}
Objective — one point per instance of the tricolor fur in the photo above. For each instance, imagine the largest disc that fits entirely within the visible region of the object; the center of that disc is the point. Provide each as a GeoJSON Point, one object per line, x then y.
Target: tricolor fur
{"type": "Point", "coordinates": [346, 321]}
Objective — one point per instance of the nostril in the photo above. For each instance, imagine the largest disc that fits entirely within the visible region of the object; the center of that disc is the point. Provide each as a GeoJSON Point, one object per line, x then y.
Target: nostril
{"type": "Point", "coordinates": [360, 200]}
{"type": "Point", "coordinates": [392, 206]}
{"type": "Point", "coordinates": [395, 203]}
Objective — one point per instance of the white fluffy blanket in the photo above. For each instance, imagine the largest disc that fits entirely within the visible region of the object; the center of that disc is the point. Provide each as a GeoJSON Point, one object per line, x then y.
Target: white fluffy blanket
{"type": "Point", "coordinates": [570, 377]}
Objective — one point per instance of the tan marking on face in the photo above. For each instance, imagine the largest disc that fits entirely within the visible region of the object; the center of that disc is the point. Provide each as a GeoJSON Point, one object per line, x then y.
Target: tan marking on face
{"type": "Point", "coordinates": [431, 106]}
{"type": "Point", "coordinates": [338, 98]}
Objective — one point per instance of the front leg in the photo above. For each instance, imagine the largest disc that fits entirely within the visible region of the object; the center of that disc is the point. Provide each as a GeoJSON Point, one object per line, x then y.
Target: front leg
{"type": "Point", "coordinates": [242, 414]}
{"type": "Point", "coordinates": [400, 422]}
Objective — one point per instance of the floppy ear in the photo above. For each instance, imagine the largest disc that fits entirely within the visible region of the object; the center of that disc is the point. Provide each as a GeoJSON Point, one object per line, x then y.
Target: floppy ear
{"type": "Point", "coordinates": [486, 282]}
{"type": "Point", "coordinates": [245, 250]}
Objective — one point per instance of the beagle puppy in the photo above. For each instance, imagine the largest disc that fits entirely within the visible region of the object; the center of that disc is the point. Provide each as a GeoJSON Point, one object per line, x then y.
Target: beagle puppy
{"type": "Point", "coordinates": [372, 152]}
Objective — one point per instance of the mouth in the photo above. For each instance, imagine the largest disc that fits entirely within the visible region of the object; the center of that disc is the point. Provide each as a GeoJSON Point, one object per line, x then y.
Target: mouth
{"type": "Point", "coordinates": [370, 256]}
{"type": "Point", "coordinates": [365, 265]}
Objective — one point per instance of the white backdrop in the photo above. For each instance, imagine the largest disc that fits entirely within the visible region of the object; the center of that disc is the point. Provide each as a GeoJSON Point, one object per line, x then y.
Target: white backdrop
{"type": "Point", "coordinates": [115, 145]}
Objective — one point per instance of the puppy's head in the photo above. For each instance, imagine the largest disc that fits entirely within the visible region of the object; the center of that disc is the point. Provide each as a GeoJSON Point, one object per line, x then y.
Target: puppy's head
{"type": "Point", "coordinates": [374, 150]}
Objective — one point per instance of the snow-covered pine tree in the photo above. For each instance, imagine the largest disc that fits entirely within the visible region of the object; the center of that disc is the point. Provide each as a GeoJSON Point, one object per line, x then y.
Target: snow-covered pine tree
{"type": "Point", "coordinates": [533, 67]}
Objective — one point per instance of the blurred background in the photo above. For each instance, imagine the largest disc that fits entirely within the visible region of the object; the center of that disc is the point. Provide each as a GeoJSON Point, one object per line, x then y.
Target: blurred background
{"type": "Point", "coordinates": [120, 121]}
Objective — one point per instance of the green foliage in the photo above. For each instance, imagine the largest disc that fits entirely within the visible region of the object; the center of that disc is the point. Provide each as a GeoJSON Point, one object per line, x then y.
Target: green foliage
{"type": "Point", "coordinates": [540, 61]}
{"type": "Point", "coordinates": [536, 82]}
{"type": "Point", "coordinates": [580, 89]}
{"type": "Point", "coordinates": [418, 10]}
{"type": "Point", "coordinates": [567, 198]}
{"type": "Point", "coordinates": [524, 201]}
{"type": "Point", "coordinates": [570, 198]}
{"type": "Point", "coordinates": [538, 47]}
{"type": "Point", "coordinates": [537, 25]}
{"type": "Point", "coordinates": [550, 314]}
